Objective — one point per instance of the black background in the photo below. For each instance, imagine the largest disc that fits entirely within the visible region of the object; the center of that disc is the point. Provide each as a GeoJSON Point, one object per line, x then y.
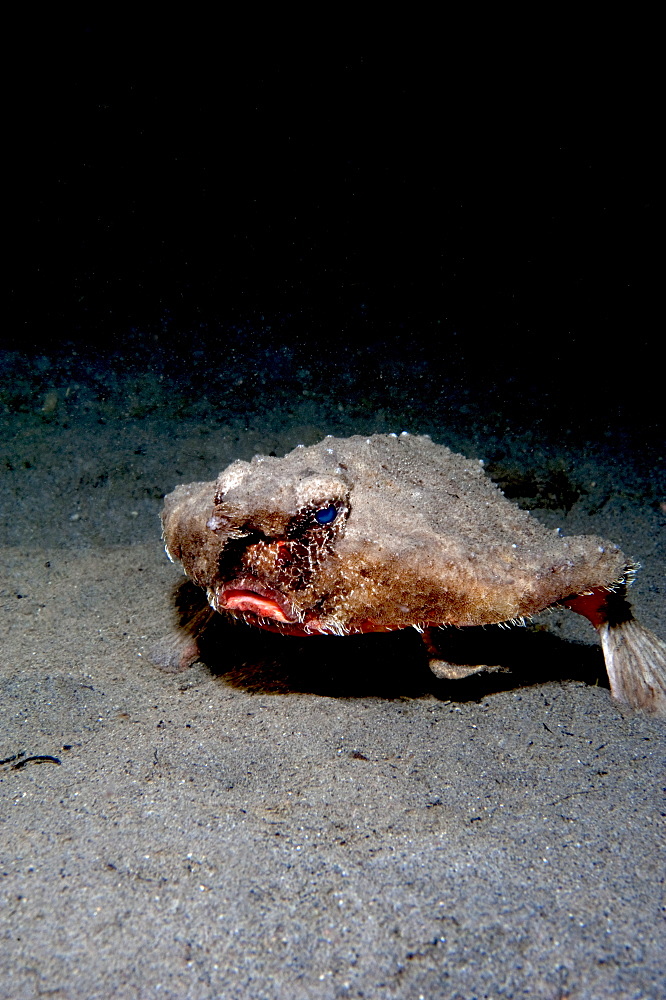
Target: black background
{"type": "Point", "coordinates": [489, 213]}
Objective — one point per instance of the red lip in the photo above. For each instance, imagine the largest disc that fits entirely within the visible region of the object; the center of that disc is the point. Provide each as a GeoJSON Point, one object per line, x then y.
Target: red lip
{"type": "Point", "coordinates": [250, 596]}
{"type": "Point", "coordinates": [247, 600]}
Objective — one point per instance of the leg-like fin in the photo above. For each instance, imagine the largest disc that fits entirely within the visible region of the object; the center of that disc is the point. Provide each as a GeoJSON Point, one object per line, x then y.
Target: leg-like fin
{"type": "Point", "coordinates": [180, 648]}
{"type": "Point", "coordinates": [449, 669]}
{"type": "Point", "coordinates": [457, 671]}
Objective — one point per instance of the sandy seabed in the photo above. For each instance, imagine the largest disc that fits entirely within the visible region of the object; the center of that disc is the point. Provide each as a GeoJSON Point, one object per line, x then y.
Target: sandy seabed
{"type": "Point", "coordinates": [306, 819]}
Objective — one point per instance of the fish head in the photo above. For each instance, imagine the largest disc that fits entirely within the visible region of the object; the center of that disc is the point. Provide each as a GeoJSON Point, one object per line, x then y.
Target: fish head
{"type": "Point", "coordinates": [261, 544]}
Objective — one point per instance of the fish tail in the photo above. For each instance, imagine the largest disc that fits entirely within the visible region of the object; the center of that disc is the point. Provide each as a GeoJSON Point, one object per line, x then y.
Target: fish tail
{"type": "Point", "coordinates": [635, 658]}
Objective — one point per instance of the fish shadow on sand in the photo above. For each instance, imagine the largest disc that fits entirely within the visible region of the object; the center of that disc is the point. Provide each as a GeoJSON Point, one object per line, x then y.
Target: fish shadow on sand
{"type": "Point", "coordinates": [395, 664]}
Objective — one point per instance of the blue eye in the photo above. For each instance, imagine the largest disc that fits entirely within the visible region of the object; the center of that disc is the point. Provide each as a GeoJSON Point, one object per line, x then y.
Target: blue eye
{"type": "Point", "coordinates": [326, 515]}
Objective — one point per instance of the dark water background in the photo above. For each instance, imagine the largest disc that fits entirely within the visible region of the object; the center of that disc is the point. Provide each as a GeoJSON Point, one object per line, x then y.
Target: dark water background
{"type": "Point", "coordinates": [213, 226]}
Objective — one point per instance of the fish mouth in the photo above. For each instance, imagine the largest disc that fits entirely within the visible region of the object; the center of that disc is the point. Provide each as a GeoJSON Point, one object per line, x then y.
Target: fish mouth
{"type": "Point", "coordinates": [249, 596]}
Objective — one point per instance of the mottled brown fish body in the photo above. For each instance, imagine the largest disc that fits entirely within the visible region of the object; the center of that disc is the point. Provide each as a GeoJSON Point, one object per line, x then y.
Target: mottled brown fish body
{"type": "Point", "coordinates": [383, 532]}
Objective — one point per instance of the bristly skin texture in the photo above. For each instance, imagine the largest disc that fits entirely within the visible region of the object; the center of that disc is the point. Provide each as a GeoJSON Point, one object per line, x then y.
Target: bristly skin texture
{"type": "Point", "coordinates": [373, 534]}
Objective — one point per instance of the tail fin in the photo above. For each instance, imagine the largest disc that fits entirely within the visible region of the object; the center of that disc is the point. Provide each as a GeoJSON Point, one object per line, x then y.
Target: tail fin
{"type": "Point", "coordinates": [636, 663]}
{"type": "Point", "coordinates": [635, 657]}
